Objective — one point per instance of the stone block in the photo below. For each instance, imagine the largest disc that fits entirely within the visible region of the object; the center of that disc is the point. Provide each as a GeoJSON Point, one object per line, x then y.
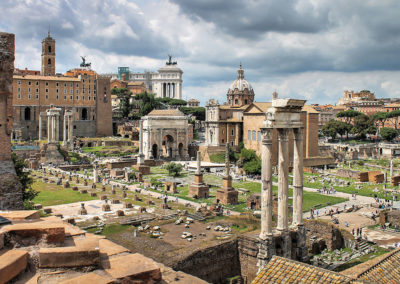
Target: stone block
{"type": "Point", "coordinates": [71, 221]}
{"type": "Point", "coordinates": [133, 267]}
{"type": "Point", "coordinates": [104, 197]}
{"type": "Point", "coordinates": [76, 256]}
{"type": "Point", "coordinates": [47, 210]}
{"type": "Point", "coordinates": [30, 233]}
{"type": "Point", "coordinates": [142, 209]}
{"type": "Point", "coordinates": [75, 188]}
{"type": "Point", "coordinates": [19, 215]}
{"type": "Point", "coordinates": [88, 278]}
{"type": "Point", "coordinates": [127, 205]}
{"type": "Point", "coordinates": [124, 194]}
{"type": "Point", "coordinates": [93, 194]}
{"type": "Point", "coordinates": [38, 206]}
{"type": "Point", "coordinates": [83, 191]}
{"type": "Point", "coordinates": [115, 201]}
{"type": "Point", "coordinates": [120, 213]}
{"type": "Point", "coordinates": [105, 207]}
{"type": "Point", "coordinates": [12, 263]}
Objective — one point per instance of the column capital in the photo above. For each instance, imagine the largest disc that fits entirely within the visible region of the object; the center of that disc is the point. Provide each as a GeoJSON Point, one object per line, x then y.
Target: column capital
{"type": "Point", "coordinates": [298, 133]}
{"type": "Point", "coordinates": [283, 134]}
{"type": "Point", "coordinates": [266, 136]}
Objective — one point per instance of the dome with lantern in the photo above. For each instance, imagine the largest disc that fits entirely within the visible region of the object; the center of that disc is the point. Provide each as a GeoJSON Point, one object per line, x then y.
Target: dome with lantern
{"type": "Point", "coordinates": [241, 92]}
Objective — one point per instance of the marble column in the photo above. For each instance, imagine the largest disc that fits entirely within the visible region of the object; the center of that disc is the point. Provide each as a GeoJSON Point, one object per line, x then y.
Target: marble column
{"type": "Point", "coordinates": [198, 171]}
{"type": "Point", "coordinates": [298, 176]}
{"type": "Point", "coordinates": [283, 178]}
{"type": "Point", "coordinates": [40, 127]}
{"type": "Point", "coordinates": [70, 128]}
{"type": "Point", "coordinates": [57, 118]}
{"type": "Point", "coordinates": [65, 130]}
{"type": "Point", "coordinates": [48, 128]}
{"type": "Point", "coordinates": [266, 190]}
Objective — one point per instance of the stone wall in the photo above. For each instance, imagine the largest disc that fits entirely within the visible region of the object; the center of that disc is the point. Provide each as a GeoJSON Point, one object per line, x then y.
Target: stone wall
{"type": "Point", "coordinates": [10, 188]}
{"type": "Point", "coordinates": [334, 237]}
{"type": "Point", "coordinates": [347, 173]}
{"type": "Point", "coordinates": [248, 250]}
{"type": "Point", "coordinates": [392, 217]}
{"type": "Point", "coordinates": [214, 264]}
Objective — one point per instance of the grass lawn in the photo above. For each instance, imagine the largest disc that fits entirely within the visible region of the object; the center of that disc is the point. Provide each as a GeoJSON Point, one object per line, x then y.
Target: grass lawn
{"type": "Point", "coordinates": [51, 194]}
{"type": "Point", "coordinates": [110, 151]}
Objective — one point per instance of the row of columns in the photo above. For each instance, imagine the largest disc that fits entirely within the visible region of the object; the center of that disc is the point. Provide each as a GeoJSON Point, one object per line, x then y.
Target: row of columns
{"type": "Point", "coordinates": [283, 180]}
{"type": "Point", "coordinates": [170, 90]}
{"type": "Point", "coordinates": [53, 126]}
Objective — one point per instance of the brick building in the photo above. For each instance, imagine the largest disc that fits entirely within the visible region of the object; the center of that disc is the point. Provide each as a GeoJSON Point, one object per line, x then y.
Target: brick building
{"type": "Point", "coordinates": [82, 91]}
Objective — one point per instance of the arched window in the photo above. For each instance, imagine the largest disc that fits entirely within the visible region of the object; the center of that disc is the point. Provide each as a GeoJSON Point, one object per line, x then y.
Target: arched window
{"type": "Point", "coordinates": [236, 102]}
{"type": "Point", "coordinates": [49, 61]}
{"type": "Point", "coordinates": [84, 114]}
{"type": "Point", "coordinates": [27, 113]}
{"type": "Point", "coordinates": [49, 48]}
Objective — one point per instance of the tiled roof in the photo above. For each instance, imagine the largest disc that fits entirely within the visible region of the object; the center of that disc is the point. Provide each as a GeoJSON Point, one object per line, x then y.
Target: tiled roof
{"type": "Point", "coordinates": [47, 78]}
{"type": "Point", "coordinates": [264, 106]}
{"type": "Point", "coordinates": [283, 270]}
{"type": "Point", "coordinates": [385, 271]}
{"type": "Point", "coordinates": [166, 112]}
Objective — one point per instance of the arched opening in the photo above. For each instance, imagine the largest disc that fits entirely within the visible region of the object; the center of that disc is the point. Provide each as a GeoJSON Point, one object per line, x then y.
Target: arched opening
{"type": "Point", "coordinates": [84, 114]}
{"type": "Point", "coordinates": [49, 61]}
{"type": "Point", "coordinates": [167, 143]}
{"type": "Point", "coordinates": [154, 151]}
{"type": "Point", "coordinates": [27, 113]}
{"type": "Point", "coordinates": [180, 150]}
{"type": "Point", "coordinates": [49, 48]}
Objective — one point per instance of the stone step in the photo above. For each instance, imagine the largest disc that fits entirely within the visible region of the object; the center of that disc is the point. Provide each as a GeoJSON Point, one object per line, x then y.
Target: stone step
{"type": "Point", "coordinates": [12, 263]}
{"type": "Point", "coordinates": [194, 216]}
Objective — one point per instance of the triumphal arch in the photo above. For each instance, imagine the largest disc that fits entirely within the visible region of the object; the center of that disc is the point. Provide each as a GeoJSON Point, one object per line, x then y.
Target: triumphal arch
{"type": "Point", "coordinates": [165, 135]}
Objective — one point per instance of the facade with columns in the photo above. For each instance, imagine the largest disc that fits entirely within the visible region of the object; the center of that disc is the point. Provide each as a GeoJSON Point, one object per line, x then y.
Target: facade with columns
{"type": "Point", "coordinates": [81, 91]}
{"type": "Point", "coordinates": [287, 241]}
{"type": "Point", "coordinates": [165, 135]}
{"type": "Point", "coordinates": [166, 83]}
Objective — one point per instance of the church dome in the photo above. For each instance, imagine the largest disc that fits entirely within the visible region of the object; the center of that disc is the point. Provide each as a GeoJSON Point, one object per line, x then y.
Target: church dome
{"type": "Point", "coordinates": [240, 83]}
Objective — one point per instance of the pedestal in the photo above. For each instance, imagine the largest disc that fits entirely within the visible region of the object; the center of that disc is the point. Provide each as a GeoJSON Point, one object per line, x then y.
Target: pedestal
{"type": "Point", "coordinates": [227, 194]}
{"type": "Point", "coordinates": [198, 189]}
{"type": "Point", "coordinates": [266, 249]}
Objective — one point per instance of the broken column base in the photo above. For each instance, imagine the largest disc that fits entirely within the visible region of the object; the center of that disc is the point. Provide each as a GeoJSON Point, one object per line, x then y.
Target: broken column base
{"type": "Point", "coordinates": [198, 189]}
{"type": "Point", "coordinates": [227, 196]}
{"type": "Point", "coordinates": [105, 207]}
{"type": "Point", "coordinates": [266, 249]}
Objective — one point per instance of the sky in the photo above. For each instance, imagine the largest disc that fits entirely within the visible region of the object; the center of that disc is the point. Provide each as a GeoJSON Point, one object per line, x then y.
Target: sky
{"type": "Point", "coordinates": [306, 49]}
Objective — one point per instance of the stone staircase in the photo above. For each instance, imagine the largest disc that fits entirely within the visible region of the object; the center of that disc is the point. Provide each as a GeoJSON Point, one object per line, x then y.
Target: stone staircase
{"type": "Point", "coordinates": [364, 246]}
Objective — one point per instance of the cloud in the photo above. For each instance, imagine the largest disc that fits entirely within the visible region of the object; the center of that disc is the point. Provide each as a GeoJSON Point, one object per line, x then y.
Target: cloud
{"type": "Point", "coordinates": [312, 49]}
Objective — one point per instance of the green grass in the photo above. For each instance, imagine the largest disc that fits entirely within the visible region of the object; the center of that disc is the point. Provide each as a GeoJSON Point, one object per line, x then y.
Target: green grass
{"type": "Point", "coordinates": [217, 158]}
{"type": "Point", "coordinates": [115, 229]}
{"type": "Point", "coordinates": [51, 194]}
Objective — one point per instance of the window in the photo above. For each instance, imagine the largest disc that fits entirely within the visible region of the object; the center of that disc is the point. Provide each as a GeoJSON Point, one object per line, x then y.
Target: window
{"type": "Point", "coordinates": [65, 91]}
{"type": "Point", "coordinates": [37, 83]}
{"type": "Point", "coordinates": [249, 135]}
{"type": "Point", "coordinates": [29, 96]}
{"type": "Point", "coordinates": [223, 141]}
{"type": "Point", "coordinates": [29, 90]}
{"type": "Point", "coordinates": [258, 136]}
{"type": "Point", "coordinates": [56, 84]}
{"type": "Point", "coordinates": [94, 98]}
{"type": "Point", "coordinates": [47, 97]}
{"type": "Point", "coordinates": [57, 97]}
{"type": "Point", "coordinates": [236, 102]}
{"type": "Point", "coordinates": [27, 113]}
{"type": "Point", "coordinates": [88, 98]}
{"type": "Point", "coordinates": [254, 135]}
{"type": "Point", "coordinates": [65, 84]}
{"type": "Point", "coordinates": [71, 85]}
{"type": "Point", "coordinates": [232, 132]}
{"type": "Point", "coordinates": [49, 61]}
{"type": "Point", "coordinates": [57, 91]}
{"type": "Point", "coordinates": [77, 91]}
{"type": "Point", "coordinates": [84, 114]}
{"type": "Point", "coordinates": [19, 96]}
{"type": "Point", "coordinates": [71, 91]}
{"type": "Point", "coordinates": [77, 97]}
{"type": "Point", "coordinates": [19, 82]}
{"type": "Point", "coordinates": [47, 90]}
{"type": "Point", "coordinates": [83, 98]}
{"type": "Point", "coordinates": [47, 83]}
{"type": "Point", "coordinates": [37, 90]}
{"type": "Point", "coordinates": [71, 98]}
{"type": "Point", "coordinates": [19, 90]}
{"type": "Point", "coordinates": [245, 102]}
{"type": "Point", "coordinates": [29, 83]}
{"type": "Point", "coordinates": [37, 96]}
{"type": "Point", "coordinates": [49, 49]}
{"type": "Point", "coordinates": [223, 131]}
{"type": "Point", "coordinates": [65, 98]}
{"type": "Point", "coordinates": [77, 85]}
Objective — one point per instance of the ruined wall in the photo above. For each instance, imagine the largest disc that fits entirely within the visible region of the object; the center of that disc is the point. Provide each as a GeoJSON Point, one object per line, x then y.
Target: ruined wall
{"type": "Point", "coordinates": [333, 236]}
{"type": "Point", "coordinates": [213, 264]}
{"type": "Point", "coordinates": [10, 188]}
{"type": "Point", "coordinates": [248, 250]}
{"type": "Point", "coordinates": [392, 217]}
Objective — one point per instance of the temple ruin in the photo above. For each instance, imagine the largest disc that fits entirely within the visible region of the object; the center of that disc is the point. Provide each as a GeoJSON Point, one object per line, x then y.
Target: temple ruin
{"type": "Point", "coordinates": [289, 242]}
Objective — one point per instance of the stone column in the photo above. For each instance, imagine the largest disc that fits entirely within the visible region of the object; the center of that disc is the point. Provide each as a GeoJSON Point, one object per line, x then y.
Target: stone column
{"type": "Point", "coordinates": [283, 178]}
{"type": "Point", "coordinates": [40, 126]}
{"type": "Point", "coordinates": [298, 176]}
{"type": "Point", "coordinates": [266, 190]}
{"type": "Point", "coordinates": [198, 172]}
{"type": "Point", "coordinates": [95, 174]}
{"type": "Point", "coordinates": [49, 128]}
{"type": "Point", "coordinates": [57, 127]}
{"type": "Point", "coordinates": [70, 128]}
{"type": "Point", "coordinates": [65, 129]}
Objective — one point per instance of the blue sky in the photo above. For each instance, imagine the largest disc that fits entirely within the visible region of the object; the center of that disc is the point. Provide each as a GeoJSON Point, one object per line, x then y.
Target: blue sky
{"type": "Point", "coordinates": [310, 49]}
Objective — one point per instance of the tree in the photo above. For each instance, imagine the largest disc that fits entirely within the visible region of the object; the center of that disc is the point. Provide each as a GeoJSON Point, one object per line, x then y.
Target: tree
{"type": "Point", "coordinates": [330, 129]}
{"type": "Point", "coordinates": [28, 193]}
{"type": "Point", "coordinates": [250, 162]}
{"type": "Point", "coordinates": [388, 134]}
{"type": "Point", "coordinates": [379, 119]}
{"type": "Point", "coordinates": [348, 115]}
{"type": "Point", "coordinates": [394, 117]}
{"type": "Point", "coordinates": [147, 103]}
{"type": "Point", "coordinates": [363, 126]}
{"type": "Point", "coordinates": [343, 128]}
{"type": "Point", "coordinates": [198, 112]}
{"type": "Point", "coordinates": [124, 96]}
{"type": "Point", "coordinates": [174, 169]}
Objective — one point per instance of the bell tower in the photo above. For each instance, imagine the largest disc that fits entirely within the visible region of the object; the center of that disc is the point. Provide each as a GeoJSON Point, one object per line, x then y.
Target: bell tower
{"type": "Point", "coordinates": [48, 56]}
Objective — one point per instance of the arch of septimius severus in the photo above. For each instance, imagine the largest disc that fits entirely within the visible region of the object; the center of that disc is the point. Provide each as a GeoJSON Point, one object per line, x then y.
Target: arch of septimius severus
{"type": "Point", "coordinates": [287, 241]}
